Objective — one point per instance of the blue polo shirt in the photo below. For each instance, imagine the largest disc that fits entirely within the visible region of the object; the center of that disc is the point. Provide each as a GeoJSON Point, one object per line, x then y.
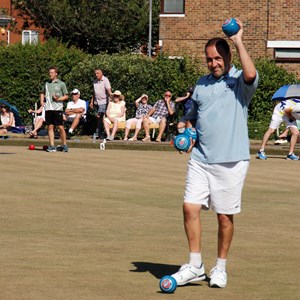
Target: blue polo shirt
{"type": "Point", "coordinates": [221, 106]}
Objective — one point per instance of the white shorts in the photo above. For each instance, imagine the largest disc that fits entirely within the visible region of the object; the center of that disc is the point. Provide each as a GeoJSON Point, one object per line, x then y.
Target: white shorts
{"type": "Point", "coordinates": [216, 186]}
{"type": "Point", "coordinates": [155, 120]}
{"type": "Point", "coordinates": [277, 120]}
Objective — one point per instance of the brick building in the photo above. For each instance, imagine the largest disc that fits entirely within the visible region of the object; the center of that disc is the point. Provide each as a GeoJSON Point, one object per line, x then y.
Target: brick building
{"type": "Point", "coordinates": [14, 28]}
{"type": "Point", "coordinates": [271, 27]}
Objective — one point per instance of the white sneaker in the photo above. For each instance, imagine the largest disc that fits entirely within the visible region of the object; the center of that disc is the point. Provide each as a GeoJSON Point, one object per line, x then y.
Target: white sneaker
{"type": "Point", "coordinates": [218, 278]}
{"type": "Point", "coordinates": [280, 142]}
{"type": "Point", "coordinates": [188, 273]}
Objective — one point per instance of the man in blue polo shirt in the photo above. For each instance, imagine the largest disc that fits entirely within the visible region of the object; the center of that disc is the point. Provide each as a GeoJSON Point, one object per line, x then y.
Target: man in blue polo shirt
{"type": "Point", "coordinates": [220, 157]}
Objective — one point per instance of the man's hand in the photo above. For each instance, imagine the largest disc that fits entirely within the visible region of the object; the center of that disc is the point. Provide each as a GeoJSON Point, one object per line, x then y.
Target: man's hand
{"type": "Point", "coordinates": [238, 35]}
{"type": "Point", "coordinates": [193, 142]}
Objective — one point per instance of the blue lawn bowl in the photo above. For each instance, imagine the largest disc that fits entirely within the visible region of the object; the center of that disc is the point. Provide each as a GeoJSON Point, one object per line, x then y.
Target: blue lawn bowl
{"type": "Point", "coordinates": [230, 27]}
{"type": "Point", "coordinates": [168, 284]}
{"type": "Point", "coordinates": [182, 142]}
{"type": "Point", "coordinates": [191, 132]}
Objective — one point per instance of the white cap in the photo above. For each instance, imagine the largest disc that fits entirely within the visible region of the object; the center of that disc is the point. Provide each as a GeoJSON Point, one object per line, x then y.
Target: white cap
{"type": "Point", "coordinates": [75, 91]}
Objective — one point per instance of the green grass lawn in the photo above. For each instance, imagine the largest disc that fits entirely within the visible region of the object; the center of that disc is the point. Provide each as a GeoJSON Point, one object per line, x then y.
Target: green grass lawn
{"type": "Point", "coordinates": [93, 224]}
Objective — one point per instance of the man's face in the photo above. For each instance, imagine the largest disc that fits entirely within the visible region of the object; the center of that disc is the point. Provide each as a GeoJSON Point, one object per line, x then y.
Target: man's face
{"type": "Point", "coordinates": [75, 97]}
{"type": "Point", "coordinates": [52, 74]}
{"type": "Point", "coordinates": [98, 74]}
{"type": "Point", "coordinates": [167, 95]}
{"type": "Point", "coordinates": [218, 62]}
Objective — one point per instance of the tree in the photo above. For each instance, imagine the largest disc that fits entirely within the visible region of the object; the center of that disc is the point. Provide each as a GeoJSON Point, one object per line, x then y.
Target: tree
{"type": "Point", "coordinates": [93, 25]}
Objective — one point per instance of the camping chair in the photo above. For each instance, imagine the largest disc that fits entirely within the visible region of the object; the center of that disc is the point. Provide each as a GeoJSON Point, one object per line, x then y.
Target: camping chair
{"type": "Point", "coordinates": [18, 128]}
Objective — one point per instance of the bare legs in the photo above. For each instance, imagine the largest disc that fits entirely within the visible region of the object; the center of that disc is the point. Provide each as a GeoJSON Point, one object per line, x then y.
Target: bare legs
{"type": "Point", "coordinates": [62, 133]}
{"type": "Point", "coordinates": [193, 229]}
{"type": "Point", "coordinates": [294, 138]}
{"type": "Point", "coordinates": [114, 129]}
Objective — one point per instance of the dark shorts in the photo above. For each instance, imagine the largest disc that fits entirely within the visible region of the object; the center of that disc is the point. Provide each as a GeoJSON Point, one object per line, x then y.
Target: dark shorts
{"type": "Point", "coordinates": [54, 117]}
{"type": "Point", "coordinates": [101, 108]}
{"type": "Point", "coordinates": [192, 121]}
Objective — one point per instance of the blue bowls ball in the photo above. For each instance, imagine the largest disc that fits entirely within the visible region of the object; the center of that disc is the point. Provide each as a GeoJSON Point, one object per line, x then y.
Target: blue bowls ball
{"type": "Point", "coordinates": [168, 284]}
{"type": "Point", "coordinates": [191, 132]}
{"type": "Point", "coordinates": [230, 27]}
{"type": "Point", "coordinates": [182, 142]}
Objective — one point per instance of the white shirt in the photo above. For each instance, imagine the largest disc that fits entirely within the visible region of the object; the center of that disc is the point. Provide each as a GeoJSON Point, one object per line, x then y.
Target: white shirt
{"type": "Point", "coordinates": [79, 104]}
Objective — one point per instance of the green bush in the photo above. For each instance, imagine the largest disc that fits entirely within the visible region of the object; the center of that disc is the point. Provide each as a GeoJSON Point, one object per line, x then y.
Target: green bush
{"type": "Point", "coordinates": [25, 68]}
{"type": "Point", "coordinates": [134, 75]}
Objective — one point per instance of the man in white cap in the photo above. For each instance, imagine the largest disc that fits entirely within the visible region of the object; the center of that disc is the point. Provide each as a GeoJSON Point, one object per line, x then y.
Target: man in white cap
{"type": "Point", "coordinates": [76, 109]}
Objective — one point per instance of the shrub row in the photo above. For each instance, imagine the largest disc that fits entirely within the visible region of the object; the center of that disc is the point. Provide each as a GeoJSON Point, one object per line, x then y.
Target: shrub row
{"type": "Point", "coordinates": [25, 68]}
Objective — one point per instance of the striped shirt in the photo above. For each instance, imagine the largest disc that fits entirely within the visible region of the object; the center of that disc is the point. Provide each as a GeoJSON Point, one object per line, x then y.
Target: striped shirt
{"type": "Point", "coordinates": [54, 88]}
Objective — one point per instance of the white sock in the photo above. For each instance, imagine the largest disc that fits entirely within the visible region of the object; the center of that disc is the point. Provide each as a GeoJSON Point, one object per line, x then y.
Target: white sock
{"type": "Point", "coordinates": [70, 130]}
{"type": "Point", "coordinates": [262, 150]}
{"type": "Point", "coordinates": [221, 264]}
{"type": "Point", "coordinates": [195, 260]}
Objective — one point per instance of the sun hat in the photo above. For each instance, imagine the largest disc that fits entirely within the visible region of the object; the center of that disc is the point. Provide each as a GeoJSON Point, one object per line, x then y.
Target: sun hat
{"type": "Point", "coordinates": [118, 93]}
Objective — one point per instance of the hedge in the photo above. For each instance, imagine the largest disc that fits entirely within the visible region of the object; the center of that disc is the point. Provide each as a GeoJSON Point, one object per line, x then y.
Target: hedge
{"type": "Point", "coordinates": [25, 68]}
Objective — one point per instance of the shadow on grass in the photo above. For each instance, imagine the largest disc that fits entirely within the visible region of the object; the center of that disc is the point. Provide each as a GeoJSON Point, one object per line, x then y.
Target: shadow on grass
{"type": "Point", "coordinates": [6, 153]}
{"type": "Point", "coordinates": [158, 270]}
{"type": "Point", "coordinates": [274, 156]}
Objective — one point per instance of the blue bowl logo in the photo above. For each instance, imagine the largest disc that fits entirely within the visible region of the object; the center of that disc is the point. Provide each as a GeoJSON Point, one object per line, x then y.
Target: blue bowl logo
{"type": "Point", "coordinates": [168, 284]}
{"type": "Point", "coordinates": [182, 142]}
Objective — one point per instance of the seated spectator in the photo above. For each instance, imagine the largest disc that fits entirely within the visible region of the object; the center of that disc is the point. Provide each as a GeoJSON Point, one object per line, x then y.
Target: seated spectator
{"type": "Point", "coordinates": [187, 102]}
{"type": "Point", "coordinates": [75, 111]}
{"type": "Point", "coordinates": [38, 121]}
{"type": "Point", "coordinates": [7, 119]}
{"type": "Point", "coordinates": [115, 113]}
{"type": "Point", "coordinates": [158, 114]}
{"type": "Point", "coordinates": [142, 110]}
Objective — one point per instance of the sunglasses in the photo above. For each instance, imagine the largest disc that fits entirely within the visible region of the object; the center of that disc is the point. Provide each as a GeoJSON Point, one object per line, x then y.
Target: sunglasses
{"type": "Point", "coordinates": [167, 95]}
{"type": "Point", "coordinates": [2, 106]}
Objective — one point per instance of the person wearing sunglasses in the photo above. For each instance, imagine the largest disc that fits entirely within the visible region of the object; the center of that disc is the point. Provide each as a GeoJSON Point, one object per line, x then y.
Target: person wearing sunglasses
{"type": "Point", "coordinates": [158, 115]}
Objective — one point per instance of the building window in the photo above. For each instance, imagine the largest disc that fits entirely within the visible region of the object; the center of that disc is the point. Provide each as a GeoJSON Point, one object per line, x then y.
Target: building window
{"type": "Point", "coordinates": [285, 50]}
{"type": "Point", "coordinates": [172, 6]}
{"type": "Point", "coordinates": [30, 37]}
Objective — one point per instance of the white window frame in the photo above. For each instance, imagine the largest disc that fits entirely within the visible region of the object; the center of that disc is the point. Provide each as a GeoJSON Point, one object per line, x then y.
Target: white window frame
{"type": "Point", "coordinates": [32, 37]}
{"type": "Point", "coordinates": [285, 50]}
{"type": "Point", "coordinates": [171, 14]}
